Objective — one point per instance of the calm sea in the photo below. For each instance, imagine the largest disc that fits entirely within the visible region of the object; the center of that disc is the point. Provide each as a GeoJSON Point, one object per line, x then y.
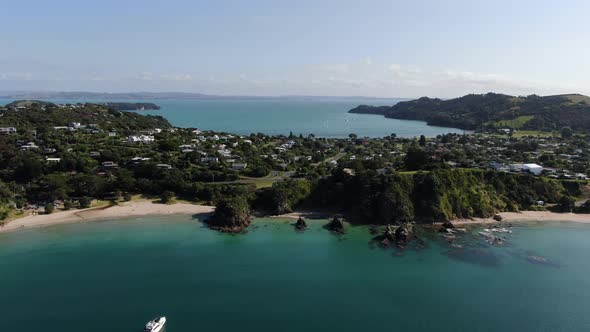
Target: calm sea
{"type": "Point", "coordinates": [323, 118]}
{"type": "Point", "coordinates": [116, 275]}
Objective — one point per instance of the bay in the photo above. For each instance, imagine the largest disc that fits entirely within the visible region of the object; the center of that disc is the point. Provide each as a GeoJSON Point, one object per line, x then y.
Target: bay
{"type": "Point", "coordinates": [115, 275]}
{"type": "Point", "coordinates": [321, 117]}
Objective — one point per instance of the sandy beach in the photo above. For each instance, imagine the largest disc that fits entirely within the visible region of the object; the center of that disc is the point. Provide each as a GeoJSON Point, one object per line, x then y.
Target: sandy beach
{"type": "Point", "coordinates": [529, 216]}
{"type": "Point", "coordinates": [131, 209]}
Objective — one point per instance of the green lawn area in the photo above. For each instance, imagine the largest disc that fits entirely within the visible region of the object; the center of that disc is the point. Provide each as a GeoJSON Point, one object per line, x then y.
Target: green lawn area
{"type": "Point", "coordinates": [264, 182]}
{"type": "Point", "coordinates": [536, 133]}
{"type": "Point", "coordinates": [515, 123]}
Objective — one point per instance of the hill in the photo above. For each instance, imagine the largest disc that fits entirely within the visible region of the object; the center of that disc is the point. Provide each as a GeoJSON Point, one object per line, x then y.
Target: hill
{"type": "Point", "coordinates": [477, 112]}
{"type": "Point", "coordinates": [31, 114]}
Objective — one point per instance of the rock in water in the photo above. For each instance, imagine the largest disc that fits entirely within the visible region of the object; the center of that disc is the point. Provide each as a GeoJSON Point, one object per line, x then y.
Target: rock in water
{"type": "Point", "coordinates": [300, 225]}
{"type": "Point", "coordinates": [402, 233]}
{"type": "Point", "coordinates": [336, 225]}
{"type": "Point", "coordinates": [445, 226]}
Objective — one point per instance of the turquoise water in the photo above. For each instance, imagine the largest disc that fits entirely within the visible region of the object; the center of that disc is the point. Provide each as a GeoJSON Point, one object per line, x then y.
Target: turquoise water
{"type": "Point", "coordinates": [324, 118]}
{"type": "Point", "coordinates": [115, 275]}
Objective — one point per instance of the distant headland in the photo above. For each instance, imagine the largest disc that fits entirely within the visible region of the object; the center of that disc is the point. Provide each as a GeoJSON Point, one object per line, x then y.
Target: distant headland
{"type": "Point", "coordinates": [492, 111]}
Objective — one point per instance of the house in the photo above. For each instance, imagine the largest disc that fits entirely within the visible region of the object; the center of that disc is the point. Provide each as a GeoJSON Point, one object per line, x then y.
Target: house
{"type": "Point", "coordinates": [49, 150]}
{"type": "Point", "coordinates": [533, 169]}
{"type": "Point", "coordinates": [94, 154]}
{"type": "Point", "coordinates": [138, 160]}
{"type": "Point", "coordinates": [109, 164]}
{"type": "Point", "coordinates": [112, 134]}
{"type": "Point", "coordinates": [164, 166]}
{"type": "Point", "coordinates": [53, 160]}
{"type": "Point", "coordinates": [516, 167]}
{"type": "Point", "coordinates": [29, 146]}
{"type": "Point", "coordinates": [239, 166]}
{"type": "Point", "coordinates": [209, 160]}
{"type": "Point", "coordinates": [141, 139]}
{"type": "Point", "coordinates": [7, 130]}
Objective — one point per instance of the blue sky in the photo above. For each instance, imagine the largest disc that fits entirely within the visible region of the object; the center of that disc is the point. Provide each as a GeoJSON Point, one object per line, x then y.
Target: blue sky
{"type": "Point", "coordinates": [384, 48]}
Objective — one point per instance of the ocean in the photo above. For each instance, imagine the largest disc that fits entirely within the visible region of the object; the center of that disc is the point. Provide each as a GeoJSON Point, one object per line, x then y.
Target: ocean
{"type": "Point", "coordinates": [115, 275]}
{"type": "Point", "coordinates": [321, 117]}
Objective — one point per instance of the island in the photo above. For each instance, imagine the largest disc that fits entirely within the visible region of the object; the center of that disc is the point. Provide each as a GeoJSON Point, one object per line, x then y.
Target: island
{"type": "Point", "coordinates": [492, 111]}
{"type": "Point", "coordinates": [60, 157]}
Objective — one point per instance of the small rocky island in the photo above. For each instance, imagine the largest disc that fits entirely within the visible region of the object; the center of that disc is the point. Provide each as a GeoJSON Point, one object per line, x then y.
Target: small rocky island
{"type": "Point", "coordinates": [232, 215]}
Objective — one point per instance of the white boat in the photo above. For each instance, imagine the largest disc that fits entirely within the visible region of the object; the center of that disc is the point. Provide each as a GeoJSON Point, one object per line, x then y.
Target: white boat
{"type": "Point", "coordinates": [155, 325]}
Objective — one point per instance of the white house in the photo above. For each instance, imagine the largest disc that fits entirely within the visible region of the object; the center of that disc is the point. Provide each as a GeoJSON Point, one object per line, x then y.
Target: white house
{"type": "Point", "coordinates": [141, 139]}
{"type": "Point", "coordinates": [533, 168]}
{"type": "Point", "coordinates": [7, 130]}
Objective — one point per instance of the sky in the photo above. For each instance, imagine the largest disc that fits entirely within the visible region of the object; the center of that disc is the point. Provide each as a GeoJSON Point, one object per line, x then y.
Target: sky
{"type": "Point", "coordinates": [378, 48]}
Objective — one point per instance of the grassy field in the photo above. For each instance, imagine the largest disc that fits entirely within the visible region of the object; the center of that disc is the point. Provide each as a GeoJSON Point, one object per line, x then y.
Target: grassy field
{"type": "Point", "coordinates": [535, 133]}
{"type": "Point", "coordinates": [515, 123]}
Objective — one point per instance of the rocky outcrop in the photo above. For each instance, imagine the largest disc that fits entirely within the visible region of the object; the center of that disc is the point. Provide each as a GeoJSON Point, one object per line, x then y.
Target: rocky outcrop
{"type": "Point", "coordinates": [300, 225]}
{"type": "Point", "coordinates": [232, 215]}
{"type": "Point", "coordinates": [392, 235]}
{"type": "Point", "coordinates": [497, 217]}
{"type": "Point", "coordinates": [403, 233]}
{"type": "Point", "coordinates": [336, 225]}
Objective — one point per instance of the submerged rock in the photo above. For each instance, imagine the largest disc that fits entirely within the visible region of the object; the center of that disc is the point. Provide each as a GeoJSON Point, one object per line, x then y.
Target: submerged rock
{"type": "Point", "coordinates": [300, 225]}
{"type": "Point", "coordinates": [336, 225]}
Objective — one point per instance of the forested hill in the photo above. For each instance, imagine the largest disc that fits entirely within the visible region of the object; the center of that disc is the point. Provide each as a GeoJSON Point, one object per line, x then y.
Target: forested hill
{"type": "Point", "coordinates": [493, 110]}
{"type": "Point", "coordinates": [35, 114]}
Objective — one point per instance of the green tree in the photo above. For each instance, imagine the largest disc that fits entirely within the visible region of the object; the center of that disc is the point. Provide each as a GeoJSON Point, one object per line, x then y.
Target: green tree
{"type": "Point", "coordinates": [68, 205]}
{"type": "Point", "coordinates": [422, 141]}
{"type": "Point", "coordinates": [416, 158]}
{"type": "Point", "coordinates": [84, 202]}
{"type": "Point", "coordinates": [167, 196]}
{"type": "Point", "coordinates": [566, 204]}
{"type": "Point", "coordinates": [566, 132]}
{"type": "Point", "coordinates": [49, 208]}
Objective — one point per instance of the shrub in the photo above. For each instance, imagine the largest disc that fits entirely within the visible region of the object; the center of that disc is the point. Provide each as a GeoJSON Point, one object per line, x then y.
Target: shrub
{"type": "Point", "coordinates": [49, 208]}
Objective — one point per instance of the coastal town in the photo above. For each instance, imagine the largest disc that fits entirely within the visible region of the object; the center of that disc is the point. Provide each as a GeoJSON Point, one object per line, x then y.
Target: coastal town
{"type": "Point", "coordinates": [55, 165]}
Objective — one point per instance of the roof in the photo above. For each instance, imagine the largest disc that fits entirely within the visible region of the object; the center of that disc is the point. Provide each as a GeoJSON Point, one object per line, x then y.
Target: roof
{"type": "Point", "coordinates": [532, 166]}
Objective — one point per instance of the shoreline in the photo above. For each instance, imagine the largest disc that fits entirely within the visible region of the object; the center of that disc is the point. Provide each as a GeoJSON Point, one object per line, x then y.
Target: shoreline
{"type": "Point", "coordinates": [124, 210]}
{"type": "Point", "coordinates": [148, 208]}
